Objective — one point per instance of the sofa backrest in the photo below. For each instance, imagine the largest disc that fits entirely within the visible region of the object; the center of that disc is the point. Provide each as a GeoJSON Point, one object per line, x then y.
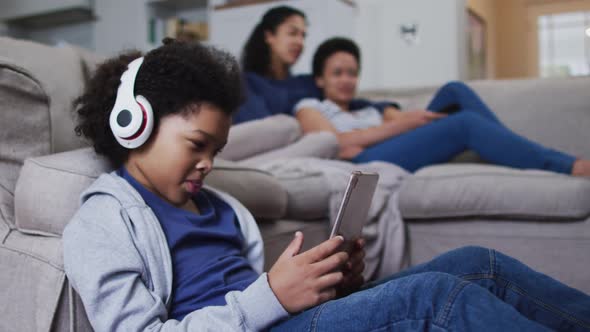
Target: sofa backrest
{"type": "Point", "coordinates": [553, 112]}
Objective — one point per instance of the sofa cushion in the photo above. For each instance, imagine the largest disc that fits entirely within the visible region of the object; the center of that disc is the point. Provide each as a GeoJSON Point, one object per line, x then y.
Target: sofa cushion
{"type": "Point", "coordinates": [309, 195]}
{"type": "Point", "coordinates": [470, 190]}
{"type": "Point", "coordinates": [321, 144]}
{"type": "Point", "coordinates": [48, 189]}
{"type": "Point", "coordinates": [258, 190]}
{"type": "Point", "coordinates": [252, 138]}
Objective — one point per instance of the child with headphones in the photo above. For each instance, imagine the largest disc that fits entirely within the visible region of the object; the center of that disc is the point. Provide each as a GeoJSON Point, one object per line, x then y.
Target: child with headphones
{"type": "Point", "coordinates": [152, 248]}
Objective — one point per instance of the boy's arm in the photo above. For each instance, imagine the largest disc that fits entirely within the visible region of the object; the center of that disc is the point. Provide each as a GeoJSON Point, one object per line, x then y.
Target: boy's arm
{"type": "Point", "coordinates": [105, 268]}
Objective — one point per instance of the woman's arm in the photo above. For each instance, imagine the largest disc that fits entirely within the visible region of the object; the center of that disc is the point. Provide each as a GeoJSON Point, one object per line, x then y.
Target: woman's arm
{"type": "Point", "coordinates": [355, 141]}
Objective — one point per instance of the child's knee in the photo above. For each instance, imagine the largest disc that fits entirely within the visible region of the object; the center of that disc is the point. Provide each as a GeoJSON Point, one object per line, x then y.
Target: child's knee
{"type": "Point", "coordinates": [422, 295]}
{"type": "Point", "coordinates": [426, 286]}
{"type": "Point", "coordinates": [466, 260]}
{"type": "Point", "coordinates": [471, 253]}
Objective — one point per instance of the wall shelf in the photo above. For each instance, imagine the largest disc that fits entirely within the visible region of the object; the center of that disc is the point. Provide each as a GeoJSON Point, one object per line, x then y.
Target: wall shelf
{"type": "Point", "coordinates": [31, 14]}
{"type": "Point", "coordinates": [177, 5]}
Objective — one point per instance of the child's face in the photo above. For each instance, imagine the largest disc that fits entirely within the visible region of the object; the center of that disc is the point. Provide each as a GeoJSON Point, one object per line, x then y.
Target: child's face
{"type": "Point", "coordinates": [180, 154]}
{"type": "Point", "coordinates": [339, 78]}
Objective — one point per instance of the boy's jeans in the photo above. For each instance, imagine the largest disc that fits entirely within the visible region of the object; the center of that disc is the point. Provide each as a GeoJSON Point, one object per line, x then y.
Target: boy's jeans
{"type": "Point", "coordinates": [468, 289]}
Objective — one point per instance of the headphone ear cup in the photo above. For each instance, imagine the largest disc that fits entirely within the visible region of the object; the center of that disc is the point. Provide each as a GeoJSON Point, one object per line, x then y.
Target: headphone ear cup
{"type": "Point", "coordinates": [126, 120]}
{"type": "Point", "coordinates": [132, 118]}
{"type": "Point", "coordinates": [132, 123]}
{"type": "Point", "coordinates": [148, 121]}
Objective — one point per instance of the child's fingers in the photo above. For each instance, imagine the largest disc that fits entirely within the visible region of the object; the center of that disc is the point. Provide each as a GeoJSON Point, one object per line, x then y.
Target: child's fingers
{"type": "Point", "coordinates": [323, 250]}
{"type": "Point", "coordinates": [294, 247]}
{"type": "Point", "coordinates": [331, 263]}
{"type": "Point", "coordinates": [359, 243]}
{"type": "Point", "coordinates": [357, 255]}
{"type": "Point", "coordinates": [327, 295]}
{"type": "Point", "coordinates": [357, 268]}
{"type": "Point", "coordinates": [329, 280]}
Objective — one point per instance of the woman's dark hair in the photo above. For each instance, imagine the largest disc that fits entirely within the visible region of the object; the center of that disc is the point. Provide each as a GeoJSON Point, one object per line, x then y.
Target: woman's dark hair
{"type": "Point", "coordinates": [256, 52]}
{"type": "Point", "coordinates": [331, 46]}
{"type": "Point", "coordinates": [171, 77]}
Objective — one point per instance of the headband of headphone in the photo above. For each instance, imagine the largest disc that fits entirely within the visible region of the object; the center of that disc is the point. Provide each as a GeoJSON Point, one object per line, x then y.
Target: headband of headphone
{"type": "Point", "coordinates": [132, 117]}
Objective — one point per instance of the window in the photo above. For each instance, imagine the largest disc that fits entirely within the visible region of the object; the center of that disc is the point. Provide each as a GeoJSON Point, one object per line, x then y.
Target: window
{"type": "Point", "coordinates": [564, 47]}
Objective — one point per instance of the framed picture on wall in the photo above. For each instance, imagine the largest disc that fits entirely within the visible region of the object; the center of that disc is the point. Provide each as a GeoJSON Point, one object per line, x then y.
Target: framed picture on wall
{"type": "Point", "coordinates": [476, 46]}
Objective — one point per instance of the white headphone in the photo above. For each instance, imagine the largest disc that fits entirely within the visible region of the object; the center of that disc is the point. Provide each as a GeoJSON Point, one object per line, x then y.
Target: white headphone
{"type": "Point", "coordinates": [132, 117]}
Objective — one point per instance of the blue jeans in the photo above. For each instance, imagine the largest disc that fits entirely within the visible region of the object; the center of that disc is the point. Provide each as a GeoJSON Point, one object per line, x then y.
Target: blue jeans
{"type": "Point", "coordinates": [473, 127]}
{"type": "Point", "coordinates": [467, 289]}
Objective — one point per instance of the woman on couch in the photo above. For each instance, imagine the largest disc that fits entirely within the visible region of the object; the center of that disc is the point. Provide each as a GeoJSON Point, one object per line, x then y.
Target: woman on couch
{"type": "Point", "coordinates": [456, 120]}
{"type": "Point", "coordinates": [272, 48]}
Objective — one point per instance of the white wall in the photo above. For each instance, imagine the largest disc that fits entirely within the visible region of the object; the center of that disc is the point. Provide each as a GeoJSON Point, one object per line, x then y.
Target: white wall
{"type": "Point", "coordinates": [121, 25]}
{"type": "Point", "coordinates": [230, 28]}
{"type": "Point", "coordinates": [389, 62]}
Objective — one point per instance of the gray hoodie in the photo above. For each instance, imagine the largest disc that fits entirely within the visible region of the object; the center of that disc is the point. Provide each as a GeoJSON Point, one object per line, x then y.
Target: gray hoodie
{"type": "Point", "coordinates": [116, 257]}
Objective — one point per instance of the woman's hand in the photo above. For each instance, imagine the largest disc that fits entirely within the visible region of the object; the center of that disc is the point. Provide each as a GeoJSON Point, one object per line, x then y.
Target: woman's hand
{"type": "Point", "coordinates": [301, 281]}
{"type": "Point", "coordinates": [390, 113]}
{"type": "Point", "coordinates": [353, 270]}
{"type": "Point", "coordinates": [418, 118]}
{"type": "Point", "coordinates": [349, 152]}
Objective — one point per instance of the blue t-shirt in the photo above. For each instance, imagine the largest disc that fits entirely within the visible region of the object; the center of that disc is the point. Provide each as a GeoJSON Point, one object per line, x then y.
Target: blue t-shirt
{"type": "Point", "coordinates": [266, 97]}
{"type": "Point", "coordinates": [206, 250]}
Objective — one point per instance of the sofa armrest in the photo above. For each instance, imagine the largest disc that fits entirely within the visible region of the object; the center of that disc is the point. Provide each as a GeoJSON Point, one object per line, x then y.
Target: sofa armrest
{"type": "Point", "coordinates": [252, 138]}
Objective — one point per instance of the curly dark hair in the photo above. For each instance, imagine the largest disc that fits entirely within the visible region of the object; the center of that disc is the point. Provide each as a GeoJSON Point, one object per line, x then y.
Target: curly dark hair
{"type": "Point", "coordinates": [256, 52]}
{"type": "Point", "coordinates": [171, 77]}
{"type": "Point", "coordinates": [331, 46]}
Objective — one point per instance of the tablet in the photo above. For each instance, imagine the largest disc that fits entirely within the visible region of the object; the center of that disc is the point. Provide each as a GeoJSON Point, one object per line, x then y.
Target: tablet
{"type": "Point", "coordinates": [354, 207]}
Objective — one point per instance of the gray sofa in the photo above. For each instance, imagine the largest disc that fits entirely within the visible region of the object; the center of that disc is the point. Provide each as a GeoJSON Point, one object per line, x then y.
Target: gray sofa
{"type": "Point", "coordinates": [538, 217]}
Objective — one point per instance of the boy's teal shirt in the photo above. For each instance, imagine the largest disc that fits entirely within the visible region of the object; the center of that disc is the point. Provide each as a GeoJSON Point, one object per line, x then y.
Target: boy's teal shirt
{"type": "Point", "coordinates": [116, 257]}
